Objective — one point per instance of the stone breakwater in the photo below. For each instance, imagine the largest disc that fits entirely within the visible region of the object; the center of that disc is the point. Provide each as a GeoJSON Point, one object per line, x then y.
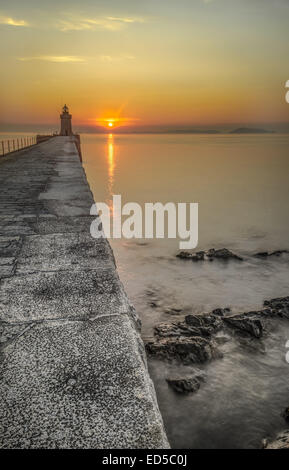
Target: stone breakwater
{"type": "Point", "coordinates": [73, 365]}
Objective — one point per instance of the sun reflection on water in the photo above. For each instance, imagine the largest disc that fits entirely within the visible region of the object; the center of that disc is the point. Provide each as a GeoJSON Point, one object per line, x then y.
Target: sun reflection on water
{"type": "Point", "coordinates": [111, 168]}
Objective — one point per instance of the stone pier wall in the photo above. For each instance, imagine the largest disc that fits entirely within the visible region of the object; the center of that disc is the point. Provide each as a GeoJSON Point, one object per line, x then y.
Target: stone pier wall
{"type": "Point", "coordinates": [73, 366]}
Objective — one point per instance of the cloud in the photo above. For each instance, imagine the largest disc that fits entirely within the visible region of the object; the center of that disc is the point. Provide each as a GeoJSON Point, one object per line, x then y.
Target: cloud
{"type": "Point", "coordinates": [73, 58]}
{"type": "Point", "coordinates": [110, 22]}
{"type": "Point", "coordinates": [54, 58]}
{"type": "Point", "coordinates": [12, 22]}
{"type": "Point", "coordinates": [125, 20]}
{"type": "Point", "coordinates": [109, 58]}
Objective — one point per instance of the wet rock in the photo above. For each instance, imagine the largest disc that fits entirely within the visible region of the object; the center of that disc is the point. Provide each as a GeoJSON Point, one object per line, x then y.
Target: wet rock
{"type": "Point", "coordinates": [266, 254]}
{"type": "Point", "coordinates": [221, 311]}
{"type": "Point", "coordinates": [188, 350]}
{"type": "Point", "coordinates": [191, 340]}
{"type": "Point", "coordinates": [195, 320]}
{"type": "Point", "coordinates": [246, 323]}
{"type": "Point", "coordinates": [278, 307]}
{"type": "Point", "coordinates": [208, 321]}
{"type": "Point", "coordinates": [198, 256]}
{"type": "Point", "coordinates": [285, 414]}
{"type": "Point", "coordinates": [210, 255]}
{"type": "Point", "coordinates": [279, 252]}
{"type": "Point", "coordinates": [165, 330]}
{"type": "Point", "coordinates": [186, 385]}
{"type": "Point", "coordinates": [281, 442]}
{"type": "Point", "coordinates": [262, 254]}
{"type": "Point", "coordinates": [223, 253]}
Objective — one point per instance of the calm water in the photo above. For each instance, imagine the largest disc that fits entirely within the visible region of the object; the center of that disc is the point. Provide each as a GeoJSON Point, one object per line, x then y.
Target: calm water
{"type": "Point", "coordinates": [241, 185]}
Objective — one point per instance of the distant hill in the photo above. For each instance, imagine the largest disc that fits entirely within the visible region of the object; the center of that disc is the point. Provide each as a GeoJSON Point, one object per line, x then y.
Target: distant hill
{"type": "Point", "coordinates": [248, 130]}
{"type": "Point", "coordinates": [148, 130]}
{"type": "Point", "coordinates": [192, 131]}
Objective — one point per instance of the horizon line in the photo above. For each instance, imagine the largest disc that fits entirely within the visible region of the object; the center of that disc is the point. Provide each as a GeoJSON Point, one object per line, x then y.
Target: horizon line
{"type": "Point", "coordinates": [4, 126]}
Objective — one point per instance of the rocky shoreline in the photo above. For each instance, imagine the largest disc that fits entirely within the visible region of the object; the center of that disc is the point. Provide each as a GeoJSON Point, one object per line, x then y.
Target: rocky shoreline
{"type": "Point", "coordinates": [225, 255]}
{"type": "Point", "coordinates": [194, 339]}
{"type": "Point", "coordinates": [281, 441]}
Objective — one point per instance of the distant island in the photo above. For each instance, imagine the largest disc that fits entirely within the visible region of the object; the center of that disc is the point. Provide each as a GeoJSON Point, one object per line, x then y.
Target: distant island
{"type": "Point", "coordinates": [173, 130]}
{"type": "Point", "coordinates": [248, 130]}
{"type": "Point", "coordinates": [190, 131]}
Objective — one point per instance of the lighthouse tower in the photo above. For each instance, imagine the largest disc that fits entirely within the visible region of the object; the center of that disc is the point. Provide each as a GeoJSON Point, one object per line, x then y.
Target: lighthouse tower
{"type": "Point", "coordinates": [65, 118]}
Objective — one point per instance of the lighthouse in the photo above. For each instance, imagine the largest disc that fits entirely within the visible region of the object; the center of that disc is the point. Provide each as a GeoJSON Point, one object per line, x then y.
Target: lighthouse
{"type": "Point", "coordinates": [65, 119]}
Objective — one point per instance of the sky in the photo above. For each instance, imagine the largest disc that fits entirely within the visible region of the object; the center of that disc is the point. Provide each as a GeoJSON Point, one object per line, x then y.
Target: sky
{"type": "Point", "coordinates": [144, 63]}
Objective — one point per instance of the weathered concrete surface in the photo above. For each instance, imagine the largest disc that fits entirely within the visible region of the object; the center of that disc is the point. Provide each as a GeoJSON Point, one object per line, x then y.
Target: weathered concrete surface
{"type": "Point", "coordinates": [73, 367]}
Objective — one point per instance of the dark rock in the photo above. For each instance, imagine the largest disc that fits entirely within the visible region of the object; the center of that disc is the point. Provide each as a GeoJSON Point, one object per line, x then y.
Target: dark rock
{"type": "Point", "coordinates": [166, 330]}
{"type": "Point", "coordinates": [188, 350]}
{"type": "Point", "coordinates": [262, 254]}
{"type": "Point", "coordinates": [198, 256]}
{"type": "Point", "coordinates": [279, 307]}
{"type": "Point", "coordinates": [281, 442]}
{"type": "Point", "coordinates": [194, 320]}
{"type": "Point", "coordinates": [184, 255]}
{"type": "Point", "coordinates": [246, 323]}
{"type": "Point", "coordinates": [285, 414]}
{"type": "Point", "coordinates": [279, 252]}
{"type": "Point", "coordinates": [211, 254]}
{"type": "Point", "coordinates": [220, 312]}
{"type": "Point", "coordinates": [266, 254]}
{"type": "Point", "coordinates": [212, 322]}
{"type": "Point", "coordinates": [186, 384]}
{"type": "Point", "coordinates": [190, 341]}
{"type": "Point", "coordinates": [223, 253]}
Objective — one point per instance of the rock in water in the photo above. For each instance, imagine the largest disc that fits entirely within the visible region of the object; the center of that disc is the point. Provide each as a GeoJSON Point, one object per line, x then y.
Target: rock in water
{"type": "Point", "coordinates": [166, 330]}
{"type": "Point", "coordinates": [188, 350]}
{"type": "Point", "coordinates": [250, 325]}
{"type": "Point", "coordinates": [186, 384]}
{"type": "Point", "coordinates": [261, 254]}
{"type": "Point", "coordinates": [198, 256]}
{"type": "Point", "coordinates": [223, 254]}
{"type": "Point", "coordinates": [221, 311]}
{"type": "Point", "coordinates": [266, 254]}
{"type": "Point", "coordinates": [210, 255]}
{"type": "Point", "coordinates": [281, 442]}
{"type": "Point", "coordinates": [279, 306]}
{"type": "Point", "coordinates": [209, 322]}
{"type": "Point", "coordinates": [285, 414]}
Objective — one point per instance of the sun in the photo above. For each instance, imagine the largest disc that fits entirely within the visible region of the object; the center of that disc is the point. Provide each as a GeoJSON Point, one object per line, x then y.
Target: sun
{"type": "Point", "coordinates": [110, 124]}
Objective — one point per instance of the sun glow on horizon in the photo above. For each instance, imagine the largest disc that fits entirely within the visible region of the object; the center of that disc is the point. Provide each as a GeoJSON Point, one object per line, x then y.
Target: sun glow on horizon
{"type": "Point", "coordinates": [155, 63]}
{"type": "Point", "coordinates": [112, 122]}
{"type": "Point", "coordinates": [108, 122]}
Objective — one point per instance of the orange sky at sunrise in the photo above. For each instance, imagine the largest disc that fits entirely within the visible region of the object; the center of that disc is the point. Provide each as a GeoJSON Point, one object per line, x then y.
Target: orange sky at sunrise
{"type": "Point", "coordinates": [133, 63]}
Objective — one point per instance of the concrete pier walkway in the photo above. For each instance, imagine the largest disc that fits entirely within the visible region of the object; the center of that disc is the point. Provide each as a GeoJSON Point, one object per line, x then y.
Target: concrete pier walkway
{"type": "Point", "coordinates": [73, 366]}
